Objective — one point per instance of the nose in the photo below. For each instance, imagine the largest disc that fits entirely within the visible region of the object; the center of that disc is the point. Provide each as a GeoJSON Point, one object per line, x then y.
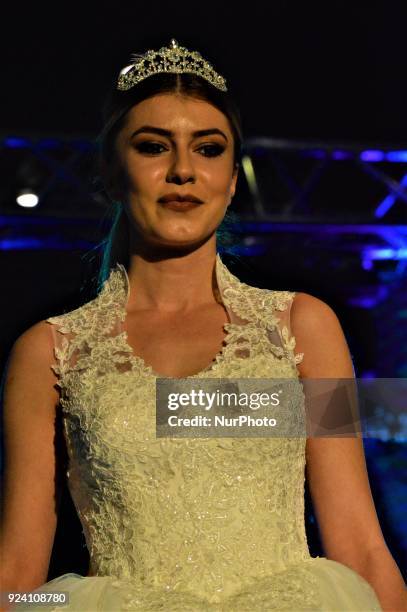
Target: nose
{"type": "Point", "coordinates": [181, 169]}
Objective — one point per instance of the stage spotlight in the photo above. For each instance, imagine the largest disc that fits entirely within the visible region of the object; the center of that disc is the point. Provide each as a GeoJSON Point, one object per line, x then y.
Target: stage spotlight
{"type": "Point", "coordinates": [27, 198]}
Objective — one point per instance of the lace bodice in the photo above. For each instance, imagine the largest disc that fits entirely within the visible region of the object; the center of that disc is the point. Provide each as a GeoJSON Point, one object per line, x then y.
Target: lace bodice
{"type": "Point", "coordinates": [205, 516]}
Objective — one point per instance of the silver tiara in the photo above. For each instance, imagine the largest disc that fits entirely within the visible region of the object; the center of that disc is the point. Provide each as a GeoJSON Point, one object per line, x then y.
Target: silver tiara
{"type": "Point", "coordinates": [173, 59]}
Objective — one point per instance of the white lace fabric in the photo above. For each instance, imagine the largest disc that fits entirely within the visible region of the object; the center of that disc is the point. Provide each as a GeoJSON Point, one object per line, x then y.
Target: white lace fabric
{"type": "Point", "coordinates": [216, 523]}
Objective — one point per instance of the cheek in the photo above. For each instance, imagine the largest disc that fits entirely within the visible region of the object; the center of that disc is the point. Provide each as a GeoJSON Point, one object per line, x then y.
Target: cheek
{"type": "Point", "coordinates": [144, 178]}
{"type": "Point", "coordinates": [220, 181]}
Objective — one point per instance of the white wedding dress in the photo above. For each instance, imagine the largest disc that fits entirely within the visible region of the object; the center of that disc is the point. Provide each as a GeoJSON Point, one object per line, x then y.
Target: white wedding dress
{"type": "Point", "coordinates": [214, 524]}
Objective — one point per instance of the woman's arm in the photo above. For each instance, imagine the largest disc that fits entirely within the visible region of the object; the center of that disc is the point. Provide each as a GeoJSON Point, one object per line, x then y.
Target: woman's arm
{"type": "Point", "coordinates": [30, 491]}
{"type": "Point", "coordinates": [336, 468]}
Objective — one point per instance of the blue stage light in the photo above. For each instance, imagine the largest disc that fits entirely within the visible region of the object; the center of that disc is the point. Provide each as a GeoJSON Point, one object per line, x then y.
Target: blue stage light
{"type": "Point", "coordinates": [388, 201]}
{"type": "Point", "coordinates": [385, 253]}
{"type": "Point", "coordinates": [397, 156]}
{"type": "Point", "coordinates": [16, 143]}
{"type": "Point", "coordinates": [372, 156]}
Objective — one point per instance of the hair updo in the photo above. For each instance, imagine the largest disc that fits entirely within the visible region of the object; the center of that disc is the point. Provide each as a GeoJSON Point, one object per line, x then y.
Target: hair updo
{"type": "Point", "coordinates": [115, 249]}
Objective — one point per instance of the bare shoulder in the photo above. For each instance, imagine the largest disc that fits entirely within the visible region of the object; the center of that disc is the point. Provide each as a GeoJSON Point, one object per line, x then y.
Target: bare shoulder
{"type": "Point", "coordinates": [33, 458]}
{"type": "Point", "coordinates": [30, 361]}
{"type": "Point", "coordinates": [319, 335]}
{"type": "Point", "coordinates": [36, 339]}
{"type": "Point", "coordinates": [310, 307]}
{"type": "Point", "coordinates": [312, 319]}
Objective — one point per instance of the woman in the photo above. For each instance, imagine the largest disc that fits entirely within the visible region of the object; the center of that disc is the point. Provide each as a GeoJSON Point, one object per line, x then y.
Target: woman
{"type": "Point", "coordinates": [182, 524]}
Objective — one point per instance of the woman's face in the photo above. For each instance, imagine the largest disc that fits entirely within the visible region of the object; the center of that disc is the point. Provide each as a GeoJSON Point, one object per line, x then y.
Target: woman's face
{"type": "Point", "coordinates": [162, 152]}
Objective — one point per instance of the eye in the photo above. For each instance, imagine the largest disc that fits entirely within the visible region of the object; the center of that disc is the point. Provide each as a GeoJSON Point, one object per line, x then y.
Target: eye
{"type": "Point", "coordinates": [155, 148]}
{"type": "Point", "coordinates": [150, 148]}
{"type": "Point", "coordinates": [213, 150]}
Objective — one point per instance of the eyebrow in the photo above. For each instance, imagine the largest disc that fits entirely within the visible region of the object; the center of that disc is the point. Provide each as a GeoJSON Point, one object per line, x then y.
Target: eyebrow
{"type": "Point", "coordinates": [170, 134]}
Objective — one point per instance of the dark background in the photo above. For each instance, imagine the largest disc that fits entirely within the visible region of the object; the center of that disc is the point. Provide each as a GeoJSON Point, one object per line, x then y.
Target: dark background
{"type": "Point", "coordinates": [334, 70]}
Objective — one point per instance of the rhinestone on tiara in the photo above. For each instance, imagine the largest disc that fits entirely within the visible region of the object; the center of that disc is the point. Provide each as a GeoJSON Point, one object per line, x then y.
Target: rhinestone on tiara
{"type": "Point", "coordinates": [173, 59]}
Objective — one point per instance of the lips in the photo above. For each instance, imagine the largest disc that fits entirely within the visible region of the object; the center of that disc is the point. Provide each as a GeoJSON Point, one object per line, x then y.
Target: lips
{"type": "Point", "coordinates": [177, 197]}
{"type": "Point", "coordinates": [176, 205]}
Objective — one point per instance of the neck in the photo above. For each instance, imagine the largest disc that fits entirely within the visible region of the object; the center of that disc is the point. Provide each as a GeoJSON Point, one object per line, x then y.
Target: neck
{"type": "Point", "coordinates": [173, 282]}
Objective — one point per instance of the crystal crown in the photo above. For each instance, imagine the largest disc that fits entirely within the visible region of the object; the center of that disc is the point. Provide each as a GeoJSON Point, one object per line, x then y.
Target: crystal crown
{"type": "Point", "coordinates": [173, 59]}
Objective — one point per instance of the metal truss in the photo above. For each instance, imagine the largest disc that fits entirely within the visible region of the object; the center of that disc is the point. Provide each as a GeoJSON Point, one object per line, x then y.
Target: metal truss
{"type": "Point", "coordinates": [282, 177]}
{"type": "Point", "coordinates": [339, 199]}
{"type": "Point", "coordinates": [385, 165]}
{"type": "Point", "coordinates": [326, 218]}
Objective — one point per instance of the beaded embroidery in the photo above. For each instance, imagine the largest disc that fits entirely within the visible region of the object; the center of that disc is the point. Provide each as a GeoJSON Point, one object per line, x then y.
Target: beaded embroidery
{"type": "Point", "coordinates": [216, 521]}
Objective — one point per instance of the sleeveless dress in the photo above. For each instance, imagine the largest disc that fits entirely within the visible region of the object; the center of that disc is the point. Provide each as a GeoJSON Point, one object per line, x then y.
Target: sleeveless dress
{"type": "Point", "coordinates": [212, 524]}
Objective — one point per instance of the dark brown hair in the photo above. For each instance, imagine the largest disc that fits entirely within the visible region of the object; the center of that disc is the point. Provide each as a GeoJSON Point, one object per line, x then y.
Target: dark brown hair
{"type": "Point", "coordinates": [115, 109]}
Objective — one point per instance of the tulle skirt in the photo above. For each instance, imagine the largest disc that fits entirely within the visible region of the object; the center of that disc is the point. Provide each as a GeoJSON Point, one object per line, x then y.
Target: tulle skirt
{"type": "Point", "coordinates": [339, 589]}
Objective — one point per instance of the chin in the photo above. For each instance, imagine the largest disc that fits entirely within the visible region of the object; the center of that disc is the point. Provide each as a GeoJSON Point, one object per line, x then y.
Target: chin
{"type": "Point", "coordinates": [182, 235]}
{"type": "Point", "coordinates": [177, 242]}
